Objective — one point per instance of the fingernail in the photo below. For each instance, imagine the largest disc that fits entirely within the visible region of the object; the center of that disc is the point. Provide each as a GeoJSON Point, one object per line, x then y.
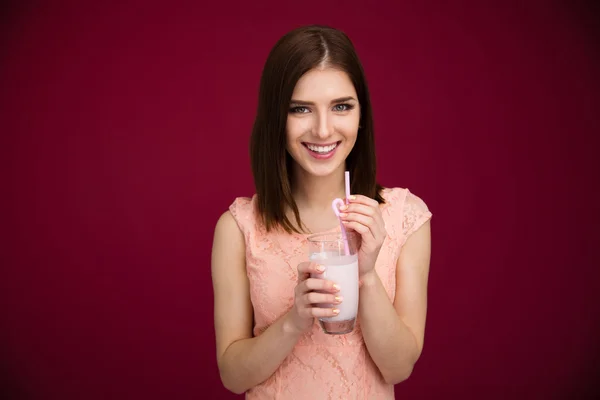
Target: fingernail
{"type": "Point", "coordinates": [336, 311]}
{"type": "Point", "coordinates": [352, 197]}
{"type": "Point", "coordinates": [343, 215]}
{"type": "Point", "coordinates": [320, 268]}
{"type": "Point", "coordinates": [336, 287]}
{"type": "Point", "coordinates": [344, 207]}
{"type": "Point", "coordinates": [338, 299]}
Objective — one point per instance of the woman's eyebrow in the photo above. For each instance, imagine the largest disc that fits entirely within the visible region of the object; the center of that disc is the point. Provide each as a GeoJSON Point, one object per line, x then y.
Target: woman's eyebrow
{"type": "Point", "coordinates": [310, 103]}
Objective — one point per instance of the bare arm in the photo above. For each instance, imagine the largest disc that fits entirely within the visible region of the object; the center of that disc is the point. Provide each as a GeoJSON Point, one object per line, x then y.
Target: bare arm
{"type": "Point", "coordinates": [394, 333]}
{"type": "Point", "coordinates": [245, 361]}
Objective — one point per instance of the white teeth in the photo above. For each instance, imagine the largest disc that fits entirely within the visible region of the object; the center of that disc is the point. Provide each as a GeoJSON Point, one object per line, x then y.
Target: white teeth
{"type": "Point", "coordinates": [321, 149]}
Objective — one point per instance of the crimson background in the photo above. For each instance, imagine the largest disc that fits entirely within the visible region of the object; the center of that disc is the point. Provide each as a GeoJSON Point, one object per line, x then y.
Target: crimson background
{"type": "Point", "coordinates": [124, 136]}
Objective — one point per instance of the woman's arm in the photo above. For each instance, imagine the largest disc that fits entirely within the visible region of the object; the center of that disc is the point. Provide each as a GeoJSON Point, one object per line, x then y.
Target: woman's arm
{"type": "Point", "coordinates": [394, 333]}
{"type": "Point", "coordinates": [244, 361]}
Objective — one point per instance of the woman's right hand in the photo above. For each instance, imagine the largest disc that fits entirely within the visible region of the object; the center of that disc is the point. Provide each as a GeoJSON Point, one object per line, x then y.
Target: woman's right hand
{"type": "Point", "coordinates": [313, 298]}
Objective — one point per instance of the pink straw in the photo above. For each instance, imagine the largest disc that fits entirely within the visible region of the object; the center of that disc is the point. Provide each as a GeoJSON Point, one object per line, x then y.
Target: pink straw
{"type": "Point", "coordinates": [338, 203]}
{"type": "Point", "coordinates": [347, 179]}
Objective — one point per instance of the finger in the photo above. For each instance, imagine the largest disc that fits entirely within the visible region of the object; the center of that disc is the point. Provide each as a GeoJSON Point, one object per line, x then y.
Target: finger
{"type": "Point", "coordinates": [321, 298]}
{"type": "Point", "coordinates": [360, 209]}
{"type": "Point", "coordinates": [363, 230]}
{"type": "Point", "coordinates": [303, 267]}
{"type": "Point", "coordinates": [310, 267]}
{"type": "Point", "coordinates": [366, 220]}
{"type": "Point", "coordinates": [360, 199]}
{"type": "Point", "coordinates": [363, 221]}
{"type": "Point", "coordinates": [322, 312]}
{"type": "Point", "coordinates": [368, 211]}
{"type": "Point", "coordinates": [311, 284]}
{"type": "Point", "coordinates": [307, 268]}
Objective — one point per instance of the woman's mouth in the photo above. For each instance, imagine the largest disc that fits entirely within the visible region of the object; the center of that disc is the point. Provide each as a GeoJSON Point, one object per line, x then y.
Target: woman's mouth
{"type": "Point", "coordinates": [321, 151]}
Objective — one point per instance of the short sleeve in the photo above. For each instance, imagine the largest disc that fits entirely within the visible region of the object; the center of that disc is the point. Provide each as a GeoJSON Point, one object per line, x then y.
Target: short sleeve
{"type": "Point", "coordinates": [242, 211]}
{"type": "Point", "coordinates": [414, 214]}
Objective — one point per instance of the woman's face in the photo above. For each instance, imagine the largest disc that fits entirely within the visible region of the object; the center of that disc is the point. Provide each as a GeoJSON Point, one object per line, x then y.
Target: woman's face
{"type": "Point", "coordinates": [322, 121]}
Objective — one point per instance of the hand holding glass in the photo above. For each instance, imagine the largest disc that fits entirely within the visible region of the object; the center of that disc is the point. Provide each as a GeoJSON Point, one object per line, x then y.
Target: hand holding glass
{"type": "Point", "coordinates": [340, 259]}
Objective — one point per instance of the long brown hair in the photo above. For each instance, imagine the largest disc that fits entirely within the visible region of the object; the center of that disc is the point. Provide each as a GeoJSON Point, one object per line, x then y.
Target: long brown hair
{"type": "Point", "coordinates": [293, 55]}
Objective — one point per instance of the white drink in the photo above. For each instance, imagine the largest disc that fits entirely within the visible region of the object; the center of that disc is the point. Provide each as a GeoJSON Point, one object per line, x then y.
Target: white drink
{"type": "Point", "coordinates": [342, 270]}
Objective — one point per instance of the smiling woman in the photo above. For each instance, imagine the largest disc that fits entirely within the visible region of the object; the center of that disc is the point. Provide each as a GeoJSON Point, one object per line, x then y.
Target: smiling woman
{"type": "Point", "coordinates": [318, 127]}
{"type": "Point", "coordinates": [313, 123]}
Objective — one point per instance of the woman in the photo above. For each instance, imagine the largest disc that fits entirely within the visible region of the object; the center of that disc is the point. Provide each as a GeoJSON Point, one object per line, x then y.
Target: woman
{"type": "Point", "coordinates": [314, 122]}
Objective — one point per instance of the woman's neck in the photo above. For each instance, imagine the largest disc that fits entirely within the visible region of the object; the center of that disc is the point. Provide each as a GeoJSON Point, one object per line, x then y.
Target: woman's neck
{"type": "Point", "coordinates": [316, 193]}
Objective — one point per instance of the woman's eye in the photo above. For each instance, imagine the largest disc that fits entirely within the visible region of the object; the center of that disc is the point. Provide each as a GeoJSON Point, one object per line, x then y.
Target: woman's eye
{"type": "Point", "coordinates": [342, 107]}
{"type": "Point", "coordinates": [299, 110]}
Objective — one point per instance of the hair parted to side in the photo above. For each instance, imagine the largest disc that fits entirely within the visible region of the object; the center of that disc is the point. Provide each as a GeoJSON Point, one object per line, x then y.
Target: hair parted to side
{"type": "Point", "coordinates": [293, 55]}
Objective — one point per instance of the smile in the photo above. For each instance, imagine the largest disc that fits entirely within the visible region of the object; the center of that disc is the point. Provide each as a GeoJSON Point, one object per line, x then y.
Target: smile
{"type": "Point", "coordinates": [321, 149]}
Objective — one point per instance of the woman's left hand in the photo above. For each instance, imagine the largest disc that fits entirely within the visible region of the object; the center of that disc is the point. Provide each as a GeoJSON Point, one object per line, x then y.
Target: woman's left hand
{"type": "Point", "coordinates": [363, 216]}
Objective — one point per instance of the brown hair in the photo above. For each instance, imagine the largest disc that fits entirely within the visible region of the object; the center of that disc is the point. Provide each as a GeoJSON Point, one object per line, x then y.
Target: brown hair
{"type": "Point", "coordinates": [293, 55]}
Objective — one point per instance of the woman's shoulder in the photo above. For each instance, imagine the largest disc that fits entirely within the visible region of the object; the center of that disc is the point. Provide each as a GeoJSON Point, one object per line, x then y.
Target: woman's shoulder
{"type": "Point", "coordinates": [393, 195]}
{"type": "Point", "coordinates": [407, 210]}
{"type": "Point", "coordinates": [242, 209]}
{"type": "Point", "coordinates": [402, 197]}
{"type": "Point", "coordinates": [242, 204]}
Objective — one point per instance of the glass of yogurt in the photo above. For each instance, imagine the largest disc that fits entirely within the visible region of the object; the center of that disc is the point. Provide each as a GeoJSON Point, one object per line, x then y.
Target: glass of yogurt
{"type": "Point", "coordinates": [341, 267]}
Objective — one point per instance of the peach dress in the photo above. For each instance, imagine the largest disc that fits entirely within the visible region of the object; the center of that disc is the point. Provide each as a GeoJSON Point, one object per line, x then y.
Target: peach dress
{"type": "Point", "coordinates": [320, 366]}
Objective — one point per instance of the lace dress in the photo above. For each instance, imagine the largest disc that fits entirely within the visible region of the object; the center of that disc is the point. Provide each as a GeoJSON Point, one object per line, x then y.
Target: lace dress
{"type": "Point", "coordinates": [320, 366]}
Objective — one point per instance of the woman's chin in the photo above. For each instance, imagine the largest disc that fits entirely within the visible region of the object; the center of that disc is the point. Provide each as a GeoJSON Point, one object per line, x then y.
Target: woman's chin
{"type": "Point", "coordinates": [321, 171]}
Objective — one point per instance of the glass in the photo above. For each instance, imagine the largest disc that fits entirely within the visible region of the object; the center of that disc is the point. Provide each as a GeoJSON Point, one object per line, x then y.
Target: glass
{"type": "Point", "coordinates": [341, 268]}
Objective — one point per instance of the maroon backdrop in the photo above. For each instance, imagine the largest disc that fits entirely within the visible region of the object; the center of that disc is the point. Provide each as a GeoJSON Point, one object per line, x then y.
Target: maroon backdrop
{"type": "Point", "coordinates": [125, 135]}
